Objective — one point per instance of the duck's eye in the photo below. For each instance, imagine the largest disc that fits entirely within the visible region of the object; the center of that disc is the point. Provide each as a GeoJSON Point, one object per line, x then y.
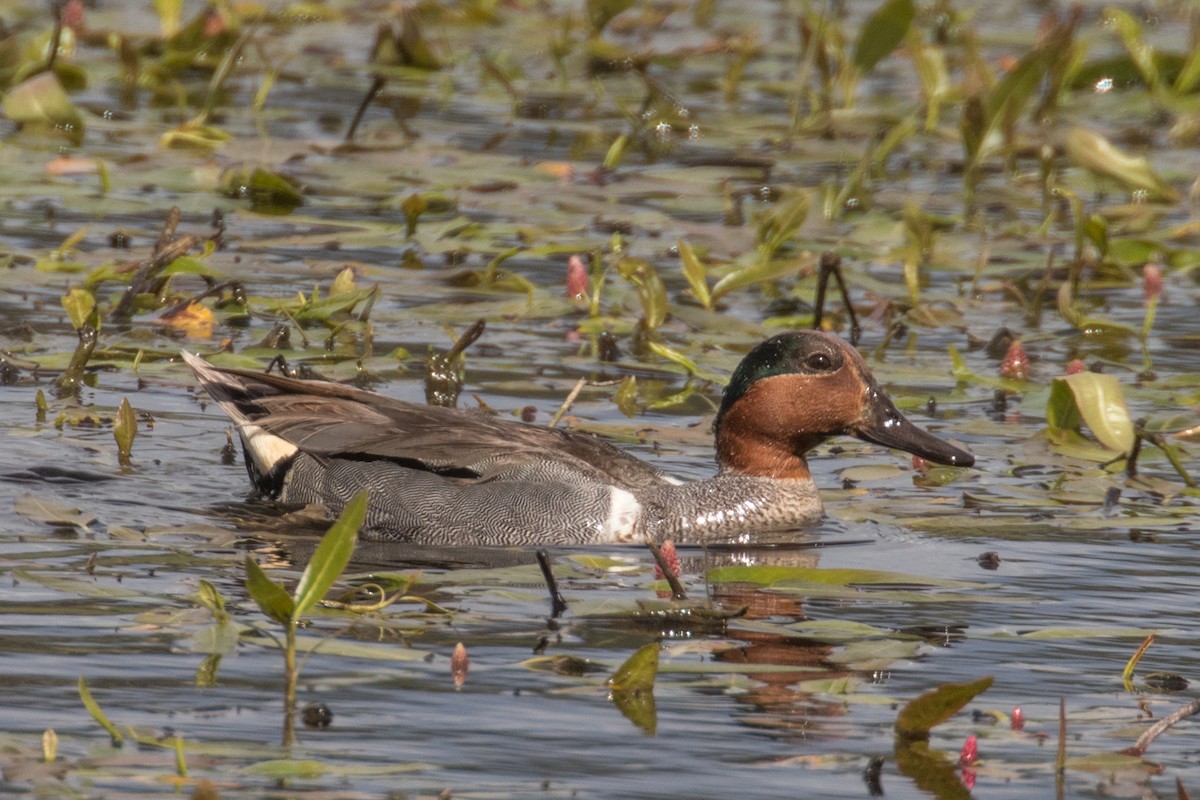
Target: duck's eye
{"type": "Point", "coordinates": [818, 362]}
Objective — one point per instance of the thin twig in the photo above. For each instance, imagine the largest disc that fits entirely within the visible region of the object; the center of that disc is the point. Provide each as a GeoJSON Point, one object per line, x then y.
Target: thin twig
{"type": "Point", "coordinates": [831, 264]}
{"type": "Point", "coordinates": [56, 8]}
{"type": "Point", "coordinates": [566, 404]}
{"type": "Point", "coordinates": [677, 591]}
{"type": "Point", "coordinates": [377, 84]}
{"type": "Point", "coordinates": [166, 250]}
{"type": "Point", "coordinates": [1060, 759]}
{"type": "Point", "coordinates": [1152, 733]}
{"type": "Point", "coordinates": [557, 604]}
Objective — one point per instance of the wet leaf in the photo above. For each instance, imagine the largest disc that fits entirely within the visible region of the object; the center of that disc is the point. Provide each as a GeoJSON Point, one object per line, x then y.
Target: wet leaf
{"type": "Point", "coordinates": [193, 320]}
{"type": "Point", "coordinates": [633, 687]}
{"type": "Point", "coordinates": [210, 597]}
{"type": "Point", "coordinates": [195, 136]}
{"type": "Point", "coordinates": [882, 33]}
{"type": "Point", "coordinates": [1095, 399]}
{"type": "Point", "coordinates": [79, 304]}
{"type": "Point", "coordinates": [1141, 53]}
{"type": "Point", "coordinates": [626, 396]}
{"type": "Point", "coordinates": [41, 100]}
{"type": "Point", "coordinates": [920, 716]}
{"type": "Point", "coordinates": [759, 271]}
{"type": "Point", "coordinates": [652, 294]}
{"type": "Point", "coordinates": [413, 207]}
{"type": "Point", "coordinates": [80, 584]}
{"type": "Point", "coordinates": [342, 648]}
{"type": "Point", "coordinates": [779, 224]}
{"type": "Point", "coordinates": [639, 670]}
{"type": "Point", "coordinates": [271, 598]}
{"type": "Point", "coordinates": [287, 768]}
{"type": "Point", "coordinates": [39, 509]}
{"type": "Point", "coordinates": [268, 192]}
{"type": "Point", "coordinates": [343, 283]}
{"type": "Point", "coordinates": [330, 558]}
{"type": "Point", "coordinates": [1093, 152]}
{"type": "Point", "coordinates": [190, 265]}
{"type": "Point", "coordinates": [773, 575]}
{"type": "Point", "coordinates": [675, 357]}
{"type": "Point", "coordinates": [125, 430]}
{"type": "Point", "coordinates": [695, 273]}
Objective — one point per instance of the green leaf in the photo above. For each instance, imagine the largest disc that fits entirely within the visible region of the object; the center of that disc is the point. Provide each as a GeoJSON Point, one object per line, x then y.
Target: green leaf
{"type": "Point", "coordinates": [601, 12]}
{"type": "Point", "coordinates": [210, 597]}
{"type": "Point", "coordinates": [675, 357]}
{"type": "Point", "coordinates": [285, 768]}
{"type": "Point", "coordinates": [39, 509]}
{"type": "Point", "coordinates": [651, 291]}
{"type": "Point", "coordinates": [921, 715]}
{"type": "Point", "coordinates": [639, 670]}
{"type": "Point", "coordinates": [626, 396]}
{"type": "Point", "coordinates": [194, 136]}
{"type": "Point", "coordinates": [882, 33]}
{"type": "Point", "coordinates": [1095, 153]}
{"type": "Point", "coordinates": [331, 556]}
{"type": "Point", "coordinates": [268, 192]}
{"type": "Point", "coordinates": [1100, 404]}
{"type": "Point", "coordinates": [190, 265]}
{"type": "Point", "coordinates": [756, 272]}
{"type": "Point", "coordinates": [98, 714]}
{"type": "Point", "coordinates": [125, 430]}
{"type": "Point", "coordinates": [41, 100]}
{"type": "Point", "coordinates": [413, 207]}
{"type": "Point", "coordinates": [773, 575]}
{"type": "Point", "coordinates": [1140, 52]}
{"type": "Point", "coordinates": [78, 304]}
{"type": "Point", "coordinates": [778, 225]}
{"type": "Point", "coordinates": [1061, 412]}
{"type": "Point", "coordinates": [694, 271]}
{"type": "Point", "coordinates": [274, 601]}
{"type": "Point", "coordinates": [169, 14]}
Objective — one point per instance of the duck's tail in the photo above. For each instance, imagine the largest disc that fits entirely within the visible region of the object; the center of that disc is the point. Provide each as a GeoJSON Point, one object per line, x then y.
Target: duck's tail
{"type": "Point", "coordinates": [267, 456]}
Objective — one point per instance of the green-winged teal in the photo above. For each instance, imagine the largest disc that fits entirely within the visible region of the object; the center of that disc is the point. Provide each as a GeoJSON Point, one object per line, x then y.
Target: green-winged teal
{"type": "Point", "coordinates": [446, 476]}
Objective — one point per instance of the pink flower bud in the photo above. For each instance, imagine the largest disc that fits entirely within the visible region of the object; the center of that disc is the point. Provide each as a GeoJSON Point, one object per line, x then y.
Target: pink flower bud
{"type": "Point", "coordinates": [1015, 365]}
{"type": "Point", "coordinates": [1076, 366]}
{"type": "Point", "coordinates": [577, 279]}
{"type": "Point", "coordinates": [1152, 281]}
{"type": "Point", "coordinates": [1018, 719]}
{"type": "Point", "coordinates": [459, 663]}
{"type": "Point", "coordinates": [670, 556]}
{"type": "Point", "coordinates": [970, 751]}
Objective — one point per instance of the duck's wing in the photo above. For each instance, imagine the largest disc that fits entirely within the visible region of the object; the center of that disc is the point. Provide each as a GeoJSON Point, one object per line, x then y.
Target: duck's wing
{"type": "Point", "coordinates": [332, 420]}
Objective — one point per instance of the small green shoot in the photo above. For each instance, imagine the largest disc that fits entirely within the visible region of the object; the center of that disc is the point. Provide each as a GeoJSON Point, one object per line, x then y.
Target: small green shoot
{"type": "Point", "coordinates": [98, 714]}
{"type": "Point", "coordinates": [1127, 673]}
{"type": "Point", "coordinates": [125, 431]}
{"type": "Point", "coordinates": [326, 564]}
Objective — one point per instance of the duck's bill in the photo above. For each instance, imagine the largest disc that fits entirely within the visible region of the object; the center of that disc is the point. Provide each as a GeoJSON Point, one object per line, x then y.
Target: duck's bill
{"type": "Point", "coordinates": [885, 425]}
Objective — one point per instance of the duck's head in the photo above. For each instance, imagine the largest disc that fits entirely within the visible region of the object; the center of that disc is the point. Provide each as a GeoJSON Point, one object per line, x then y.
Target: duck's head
{"type": "Point", "coordinates": [797, 389]}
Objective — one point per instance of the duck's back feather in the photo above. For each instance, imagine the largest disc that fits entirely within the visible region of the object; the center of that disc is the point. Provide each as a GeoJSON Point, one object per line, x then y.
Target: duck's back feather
{"type": "Point", "coordinates": [330, 420]}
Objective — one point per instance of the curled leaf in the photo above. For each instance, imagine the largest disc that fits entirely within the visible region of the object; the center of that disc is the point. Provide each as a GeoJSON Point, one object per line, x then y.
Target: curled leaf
{"type": "Point", "coordinates": [1095, 399]}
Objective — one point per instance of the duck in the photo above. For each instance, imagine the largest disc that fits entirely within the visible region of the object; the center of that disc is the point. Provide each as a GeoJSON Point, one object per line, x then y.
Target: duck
{"type": "Point", "coordinates": [445, 476]}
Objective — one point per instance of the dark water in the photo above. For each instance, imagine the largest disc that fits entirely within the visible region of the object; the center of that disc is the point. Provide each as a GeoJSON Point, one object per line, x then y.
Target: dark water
{"type": "Point", "coordinates": [762, 707]}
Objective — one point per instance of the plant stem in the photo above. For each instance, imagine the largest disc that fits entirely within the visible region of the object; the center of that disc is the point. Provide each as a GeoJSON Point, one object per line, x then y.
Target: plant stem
{"type": "Point", "coordinates": [290, 676]}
